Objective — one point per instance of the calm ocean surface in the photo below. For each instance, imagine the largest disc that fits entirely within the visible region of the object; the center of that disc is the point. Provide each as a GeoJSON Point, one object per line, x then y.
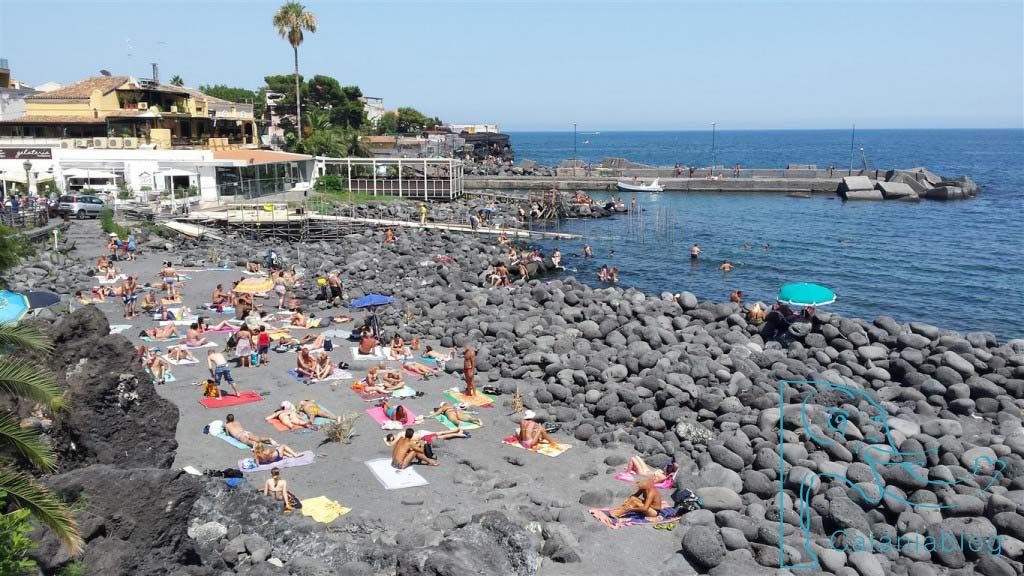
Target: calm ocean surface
{"type": "Point", "coordinates": [957, 265]}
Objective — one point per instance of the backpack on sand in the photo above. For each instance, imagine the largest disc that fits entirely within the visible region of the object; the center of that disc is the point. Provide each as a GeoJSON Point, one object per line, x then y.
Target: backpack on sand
{"type": "Point", "coordinates": [686, 501]}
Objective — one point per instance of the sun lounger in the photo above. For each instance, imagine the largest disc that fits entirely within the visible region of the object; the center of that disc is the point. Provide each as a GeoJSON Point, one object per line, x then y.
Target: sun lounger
{"type": "Point", "coordinates": [545, 448]}
{"type": "Point", "coordinates": [244, 397]}
{"type": "Point", "coordinates": [392, 478]}
{"type": "Point", "coordinates": [634, 519]}
{"type": "Point", "coordinates": [377, 413]}
{"type": "Point", "coordinates": [304, 458]}
{"type": "Point", "coordinates": [323, 509]}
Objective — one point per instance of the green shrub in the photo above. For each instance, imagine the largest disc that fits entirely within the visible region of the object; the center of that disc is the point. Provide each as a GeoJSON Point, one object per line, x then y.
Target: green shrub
{"type": "Point", "coordinates": [13, 247]}
{"type": "Point", "coordinates": [109, 226]}
{"type": "Point", "coordinates": [330, 183]}
{"type": "Point", "coordinates": [14, 541]}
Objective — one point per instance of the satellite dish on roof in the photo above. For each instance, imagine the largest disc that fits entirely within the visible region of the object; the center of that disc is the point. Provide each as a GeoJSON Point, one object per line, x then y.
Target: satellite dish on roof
{"type": "Point", "coordinates": [105, 72]}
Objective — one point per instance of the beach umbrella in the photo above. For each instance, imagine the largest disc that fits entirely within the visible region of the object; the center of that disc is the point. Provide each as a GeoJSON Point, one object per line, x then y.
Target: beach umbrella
{"type": "Point", "coordinates": [254, 285]}
{"type": "Point", "coordinates": [806, 294]}
{"type": "Point", "coordinates": [41, 299]}
{"type": "Point", "coordinates": [13, 306]}
{"type": "Point", "coordinates": [372, 301]}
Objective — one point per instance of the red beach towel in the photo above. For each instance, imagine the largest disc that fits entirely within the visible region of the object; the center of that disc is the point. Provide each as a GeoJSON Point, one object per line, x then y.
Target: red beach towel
{"type": "Point", "coordinates": [245, 397]}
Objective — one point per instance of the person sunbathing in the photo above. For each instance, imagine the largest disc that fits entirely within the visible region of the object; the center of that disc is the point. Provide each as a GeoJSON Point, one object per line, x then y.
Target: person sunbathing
{"type": "Point", "coordinates": [102, 263]}
{"type": "Point", "coordinates": [222, 298]}
{"type": "Point", "coordinates": [429, 436]}
{"type": "Point", "coordinates": [254, 267]}
{"type": "Point", "coordinates": [756, 314]}
{"type": "Point", "coordinates": [312, 341]}
{"type": "Point", "coordinates": [153, 362]}
{"type": "Point", "coordinates": [367, 343]}
{"type": "Point", "coordinates": [278, 488]}
{"type": "Point", "coordinates": [391, 379]}
{"type": "Point", "coordinates": [223, 325]}
{"type": "Point", "coordinates": [305, 364]}
{"type": "Point", "coordinates": [236, 431]}
{"type": "Point", "coordinates": [161, 332]}
{"type": "Point", "coordinates": [524, 273]}
{"type": "Point", "coordinates": [429, 352]}
{"type": "Point", "coordinates": [264, 454]}
{"type": "Point", "coordinates": [646, 501]}
{"type": "Point", "coordinates": [299, 319]}
{"type": "Point", "coordinates": [149, 303]}
{"type": "Point", "coordinates": [312, 411]}
{"type": "Point", "coordinates": [192, 337]}
{"type": "Point", "coordinates": [406, 450]}
{"type": "Point", "coordinates": [389, 236]}
{"type": "Point", "coordinates": [417, 368]}
{"type": "Point", "coordinates": [398, 348]}
{"type": "Point", "coordinates": [101, 293]}
{"type": "Point", "coordinates": [454, 415]}
{"type": "Point", "coordinates": [640, 469]}
{"type": "Point", "coordinates": [82, 298]}
{"type": "Point", "coordinates": [502, 239]}
{"type": "Point", "coordinates": [180, 354]}
{"type": "Point", "coordinates": [396, 413]}
{"type": "Point", "coordinates": [415, 345]}
{"type": "Point", "coordinates": [112, 273]}
{"type": "Point", "coordinates": [324, 366]}
{"type": "Point", "coordinates": [289, 417]}
{"type": "Point", "coordinates": [531, 433]}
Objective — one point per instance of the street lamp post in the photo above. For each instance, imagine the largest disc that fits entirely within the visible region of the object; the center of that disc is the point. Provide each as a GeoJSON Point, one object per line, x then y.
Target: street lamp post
{"type": "Point", "coordinates": [714, 156]}
{"type": "Point", "coordinates": [574, 149]}
{"type": "Point", "coordinates": [28, 176]}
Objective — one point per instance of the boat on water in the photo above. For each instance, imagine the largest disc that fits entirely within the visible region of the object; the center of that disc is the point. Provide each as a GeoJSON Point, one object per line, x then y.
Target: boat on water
{"type": "Point", "coordinates": [641, 187]}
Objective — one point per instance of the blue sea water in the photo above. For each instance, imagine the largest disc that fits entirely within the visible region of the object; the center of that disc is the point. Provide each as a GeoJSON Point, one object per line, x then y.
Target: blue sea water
{"type": "Point", "coordinates": [958, 265]}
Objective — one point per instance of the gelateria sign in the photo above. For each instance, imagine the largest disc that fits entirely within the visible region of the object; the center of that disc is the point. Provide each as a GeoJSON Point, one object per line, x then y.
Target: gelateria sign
{"type": "Point", "coordinates": [25, 154]}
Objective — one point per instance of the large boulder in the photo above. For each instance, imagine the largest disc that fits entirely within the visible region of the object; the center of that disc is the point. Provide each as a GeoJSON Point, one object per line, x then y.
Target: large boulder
{"type": "Point", "coordinates": [117, 416]}
{"type": "Point", "coordinates": [133, 521]}
{"type": "Point", "coordinates": [489, 544]}
{"type": "Point", "coordinates": [896, 191]}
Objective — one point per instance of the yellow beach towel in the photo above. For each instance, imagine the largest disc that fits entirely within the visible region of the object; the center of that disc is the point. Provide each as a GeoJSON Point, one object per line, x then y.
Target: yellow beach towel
{"type": "Point", "coordinates": [323, 509]}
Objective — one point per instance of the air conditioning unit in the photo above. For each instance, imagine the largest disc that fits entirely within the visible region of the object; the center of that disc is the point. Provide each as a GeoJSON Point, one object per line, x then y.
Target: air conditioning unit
{"type": "Point", "coordinates": [130, 143]}
{"type": "Point", "coordinates": [82, 143]}
{"type": "Point", "coordinates": [115, 142]}
{"type": "Point", "coordinates": [67, 143]}
{"type": "Point", "coordinates": [142, 105]}
{"type": "Point", "coordinates": [99, 142]}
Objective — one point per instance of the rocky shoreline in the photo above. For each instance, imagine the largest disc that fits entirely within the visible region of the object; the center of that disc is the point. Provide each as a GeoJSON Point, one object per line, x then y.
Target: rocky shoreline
{"type": "Point", "coordinates": [622, 372]}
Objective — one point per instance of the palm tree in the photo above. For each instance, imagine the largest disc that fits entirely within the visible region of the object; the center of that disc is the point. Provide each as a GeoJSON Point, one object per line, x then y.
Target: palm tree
{"type": "Point", "coordinates": [177, 81]}
{"type": "Point", "coordinates": [29, 381]}
{"type": "Point", "coordinates": [317, 120]}
{"type": "Point", "coordinates": [291, 20]}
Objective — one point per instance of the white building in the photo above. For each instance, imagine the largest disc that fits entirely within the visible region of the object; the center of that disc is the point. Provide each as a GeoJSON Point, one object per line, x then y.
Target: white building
{"type": "Point", "coordinates": [474, 128]}
{"type": "Point", "coordinates": [374, 108]}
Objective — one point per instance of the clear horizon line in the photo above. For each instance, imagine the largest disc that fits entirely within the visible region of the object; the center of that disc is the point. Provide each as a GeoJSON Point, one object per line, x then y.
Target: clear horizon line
{"type": "Point", "coordinates": [847, 128]}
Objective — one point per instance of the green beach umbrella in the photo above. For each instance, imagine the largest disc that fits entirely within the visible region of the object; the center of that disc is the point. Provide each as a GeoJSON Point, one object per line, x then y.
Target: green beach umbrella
{"type": "Point", "coordinates": [806, 294]}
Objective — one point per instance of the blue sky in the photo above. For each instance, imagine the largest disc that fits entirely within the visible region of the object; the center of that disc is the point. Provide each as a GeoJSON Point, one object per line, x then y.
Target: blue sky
{"type": "Point", "coordinates": [545, 65]}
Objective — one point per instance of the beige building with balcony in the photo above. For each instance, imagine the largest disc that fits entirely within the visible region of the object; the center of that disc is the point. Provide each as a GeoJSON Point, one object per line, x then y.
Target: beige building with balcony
{"type": "Point", "coordinates": [122, 112]}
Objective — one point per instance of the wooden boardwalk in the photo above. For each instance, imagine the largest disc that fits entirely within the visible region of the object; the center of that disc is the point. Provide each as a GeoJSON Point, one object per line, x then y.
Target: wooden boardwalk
{"type": "Point", "coordinates": [262, 217]}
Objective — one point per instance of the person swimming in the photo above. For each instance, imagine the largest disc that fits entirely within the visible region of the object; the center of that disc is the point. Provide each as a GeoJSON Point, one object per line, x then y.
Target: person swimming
{"type": "Point", "coordinates": [694, 252]}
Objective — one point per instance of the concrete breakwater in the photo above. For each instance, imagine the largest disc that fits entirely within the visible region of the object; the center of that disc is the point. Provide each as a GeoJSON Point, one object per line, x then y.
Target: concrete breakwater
{"type": "Point", "coordinates": [910, 184]}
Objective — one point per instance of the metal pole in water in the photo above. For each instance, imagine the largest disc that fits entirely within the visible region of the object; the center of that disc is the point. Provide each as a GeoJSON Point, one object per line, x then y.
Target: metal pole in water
{"type": "Point", "coordinates": [714, 157]}
{"type": "Point", "coordinates": [853, 132]}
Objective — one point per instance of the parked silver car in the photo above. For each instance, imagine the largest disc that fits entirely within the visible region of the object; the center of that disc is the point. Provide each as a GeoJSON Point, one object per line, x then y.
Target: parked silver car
{"type": "Point", "coordinates": [80, 206]}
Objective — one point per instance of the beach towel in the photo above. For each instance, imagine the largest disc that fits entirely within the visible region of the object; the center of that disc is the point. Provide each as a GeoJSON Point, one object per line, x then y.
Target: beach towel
{"type": "Point", "coordinates": [368, 396]}
{"type": "Point", "coordinates": [392, 478]}
{"type": "Point", "coordinates": [182, 322]}
{"type": "Point", "coordinates": [337, 374]}
{"type": "Point", "coordinates": [168, 301]}
{"type": "Point", "coordinates": [278, 333]}
{"type": "Point", "coordinates": [148, 339]}
{"type": "Point", "coordinates": [280, 427]}
{"type": "Point", "coordinates": [119, 328]}
{"type": "Point", "coordinates": [377, 355]}
{"type": "Point", "coordinates": [323, 509]}
{"type": "Point", "coordinates": [545, 449]}
{"type": "Point", "coordinates": [377, 413]}
{"type": "Point", "coordinates": [105, 282]}
{"type": "Point", "coordinates": [453, 426]}
{"type": "Point", "coordinates": [185, 362]}
{"type": "Point", "coordinates": [432, 362]}
{"type": "Point", "coordinates": [245, 397]}
{"type": "Point", "coordinates": [233, 441]}
{"type": "Point", "coordinates": [411, 372]}
{"type": "Point", "coordinates": [624, 476]}
{"type": "Point", "coordinates": [634, 519]}
{"type": "Point", "coordinates": [313, 323]}
{"type": "Point", "coordinates": [403, 392]}
{"type": "Point", "coordinates": [250, 465]}
{"type": "Point", "coordinates": [248, 273]}
{"type": "Point", "coordinates": [207, 345]}
{"type": "Point", "coordinates": [479, 399]}
{"type": "Point", "coordinates": [392, 356]}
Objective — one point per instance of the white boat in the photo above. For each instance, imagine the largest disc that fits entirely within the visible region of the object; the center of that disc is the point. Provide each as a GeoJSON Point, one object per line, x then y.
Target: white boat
{"type": "Point", "coordinates": [652, 187]}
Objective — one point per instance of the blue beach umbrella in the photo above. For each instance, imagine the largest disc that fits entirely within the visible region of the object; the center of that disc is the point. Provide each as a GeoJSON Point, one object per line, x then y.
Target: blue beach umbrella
{"type": "Point", "coordinates": [372, 301]}
{"type": "Point", "coordinates": [13, 306]}
{"type": "Point", "coordinates": [806, 294]}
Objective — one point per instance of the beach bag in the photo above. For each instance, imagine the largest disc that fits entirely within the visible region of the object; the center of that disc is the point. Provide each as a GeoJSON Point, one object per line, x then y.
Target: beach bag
{"type": "Point", "coordinates": [214, 428]}
{"type": "Point", "coordinates": [428, 450]}
{"type": "Point", "coordinates": [328, 345]}
{"type": "Point", "coordinates": [686, 501]}
{"type": "Point", "coordinates": [232, 341]}
{"type": "Point", "coordinates": [254, 357]}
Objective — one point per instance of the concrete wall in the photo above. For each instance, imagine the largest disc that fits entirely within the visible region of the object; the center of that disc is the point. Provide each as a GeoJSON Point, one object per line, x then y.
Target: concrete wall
{"type": "Point", "coordinates": [776, 185]}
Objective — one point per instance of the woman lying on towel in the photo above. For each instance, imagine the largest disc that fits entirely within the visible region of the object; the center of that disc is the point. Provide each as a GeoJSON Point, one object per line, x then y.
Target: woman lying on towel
{"type": "Point", "coordinates": [421, 369]}
{"type": "Point", "coordinates": [161, 332]}
{"type": "Point", "coordinates": [299, 319]}
{"type": "Point", "coordinates": [454, 415]}
{"type": "Point", "coordinates": [397, 413]}
{"type": "Point", "coordinates": [222, 325]}
{"type": "Point", "coordinates": [431, 353]}
{"type": "Point", "coordinates": [646, 500]}
{"type": "Point", "coordinates": [312, 411]}
{"type": "Point", "coordinates": [264, 454]}
{"type": "Point", "coordinates": [290, 417]}
{"type": "Point", "coordinates": [640, 469]}
{"type": "Point", "coordinates": [181, 354]}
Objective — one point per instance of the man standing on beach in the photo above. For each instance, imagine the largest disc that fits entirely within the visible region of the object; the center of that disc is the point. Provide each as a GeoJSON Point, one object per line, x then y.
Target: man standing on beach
{"type": "Point", "coordinates": [469, 370]}
{"type": "Point", "coordinates": [218, 366]}
{"type": "Point", "coordinates": [423, 213]}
